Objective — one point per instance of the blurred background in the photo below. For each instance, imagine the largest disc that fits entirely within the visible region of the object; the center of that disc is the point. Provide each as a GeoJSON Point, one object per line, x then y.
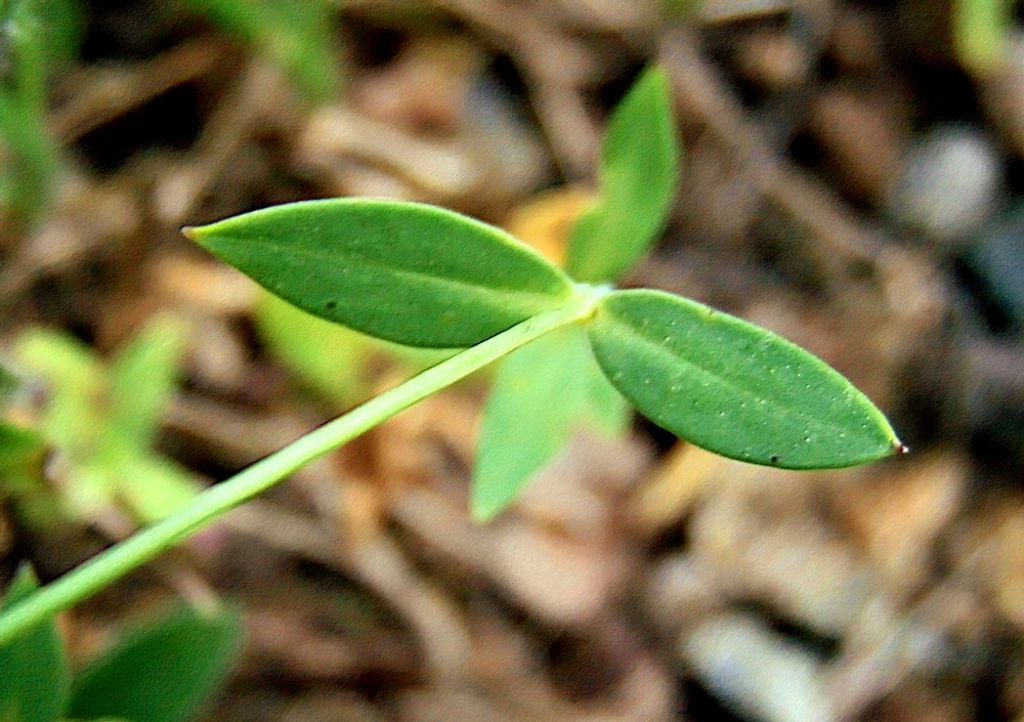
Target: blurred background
{"type": "Point", "coordinates": [852, 178]}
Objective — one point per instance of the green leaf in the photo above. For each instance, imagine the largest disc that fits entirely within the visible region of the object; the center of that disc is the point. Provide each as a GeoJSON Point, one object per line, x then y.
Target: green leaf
{"type": "Point", "coordinates": [104, 421]}
{"type": "Point", "coordinates": [90, 489]}
{"type": "Point", "coordinates": [732, 387]}
{"type": "Point", "coordinates": [16, 442]}
{"type": "Point", "coordinates": [603, 408]}
{"type": "Point", "coordinates": [675, 10]}
{"type": "Point", "coordinates": [49, 30]}
{"type": "Point", "coordinates": [22, 453]}
{"type": "Point", "coordinates": [405, 272]}
{"type": "Point", "coordinates": [164, 672]}
{"type": "Point", "coordinates": [541, 394]}
{"type": "Point", "coordinates": [639, 176]}
{"type": "Point", "coordinates": [34, 677]}
{"type": "Point", "coordinates": [28, 160]}
{"type": "Point", "coordinates": [142, 380]}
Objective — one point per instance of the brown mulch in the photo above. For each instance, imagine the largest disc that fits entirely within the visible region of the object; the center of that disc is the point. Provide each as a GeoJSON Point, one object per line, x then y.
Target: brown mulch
{"type": "Point", "coordinates": [637, 579]}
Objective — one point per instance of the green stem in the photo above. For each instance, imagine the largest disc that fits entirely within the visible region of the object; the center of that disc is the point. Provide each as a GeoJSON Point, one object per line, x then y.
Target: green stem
{"type": "Point", "coordinates": [132, 553]}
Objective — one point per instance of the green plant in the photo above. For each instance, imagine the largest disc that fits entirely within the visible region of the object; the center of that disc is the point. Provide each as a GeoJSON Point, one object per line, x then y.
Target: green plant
{"type": "Point", "coordinates": [424, 276]}
{"type": "Point", "coordinates": [297, 36]}
{"type": "Point", "coordinates": [163, 671]}
{"type": "Point", "coordinates": [638, 179]}
{"type": "Point", "coordinates": [101, 421]}
{"type": "Point", "coordinates": [36, 38]}
{"type": "Point", "coordinates": [420, 275]}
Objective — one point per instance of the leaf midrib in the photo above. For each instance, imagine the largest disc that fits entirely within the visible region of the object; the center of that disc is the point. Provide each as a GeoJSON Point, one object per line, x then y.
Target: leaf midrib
{"type": "Point", "coordinates": [736, 387]}
{"type": "Point", "coordinates": [417, 276]}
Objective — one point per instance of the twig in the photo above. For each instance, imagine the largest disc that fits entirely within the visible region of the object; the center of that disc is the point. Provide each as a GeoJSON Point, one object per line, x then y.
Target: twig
{"type": "Point", "coordinates": [555, 68]}
{"type": "Point", "coordinates": [840, 239]}
{"type": "Point", "coordinates": [103, 94]}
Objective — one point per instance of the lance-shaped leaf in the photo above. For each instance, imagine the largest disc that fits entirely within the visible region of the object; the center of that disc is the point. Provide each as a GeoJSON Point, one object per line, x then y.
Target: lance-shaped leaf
{"type": "Point", "coordinates": [405, 272]}
{"type": "Point", "coordinates": [639, 176]}
{"type": "Point", "coordinates": [732, 387]}
{"type": "Point", "coordinates": [164, 672]}
{"type": "Point", "coordinates": [34, 676]}
{"type": "Point", "coordinates": [541, 394]}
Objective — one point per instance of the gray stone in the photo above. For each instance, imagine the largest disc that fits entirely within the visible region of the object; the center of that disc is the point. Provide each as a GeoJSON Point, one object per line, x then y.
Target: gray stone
{"type": "Point", "coordinates": [948, 184]}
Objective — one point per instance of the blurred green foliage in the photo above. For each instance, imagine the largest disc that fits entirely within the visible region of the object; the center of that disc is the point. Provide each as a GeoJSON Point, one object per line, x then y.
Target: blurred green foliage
{"type": "Point", "coordinates": [162, 671]}
{"type": "Point", "coordinates": [8, 384]}
{"type": "Point", "coordinates": [34, 676]}
{"type": "Point", "coordinates": [101, 420]}
{"type": "Point", "coordinates": [980, 31]}
{"type": "Point", "coordinates": [681, 9]}
{"type": "Point", "coordinates": [37, 37]}
{"type": "Point", "coordinates": [297, 36]}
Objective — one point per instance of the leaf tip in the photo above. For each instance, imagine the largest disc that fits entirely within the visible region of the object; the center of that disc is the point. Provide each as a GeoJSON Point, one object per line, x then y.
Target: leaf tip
{"type": "Point", "coordinates": [190, 232]}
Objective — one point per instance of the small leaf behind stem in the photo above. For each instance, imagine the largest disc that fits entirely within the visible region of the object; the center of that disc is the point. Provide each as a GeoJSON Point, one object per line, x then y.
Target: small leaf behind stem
{"type": "Point", "coordinates": [734, 388]}
{"type": "Point", "coordinates": [541, 394]}
{"type": "Point", "coordinates": [332, 361]}
{"type": "Point", "coordinates": [405, 272]}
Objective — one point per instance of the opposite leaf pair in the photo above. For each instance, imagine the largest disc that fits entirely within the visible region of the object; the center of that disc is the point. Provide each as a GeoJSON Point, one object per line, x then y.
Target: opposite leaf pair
{"type": "Point", "coordinates": [524, 427]}
{"type": "Point", "coordinates": [427, 277]}
{"type": "Point", "coordinates": [421, 275]}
